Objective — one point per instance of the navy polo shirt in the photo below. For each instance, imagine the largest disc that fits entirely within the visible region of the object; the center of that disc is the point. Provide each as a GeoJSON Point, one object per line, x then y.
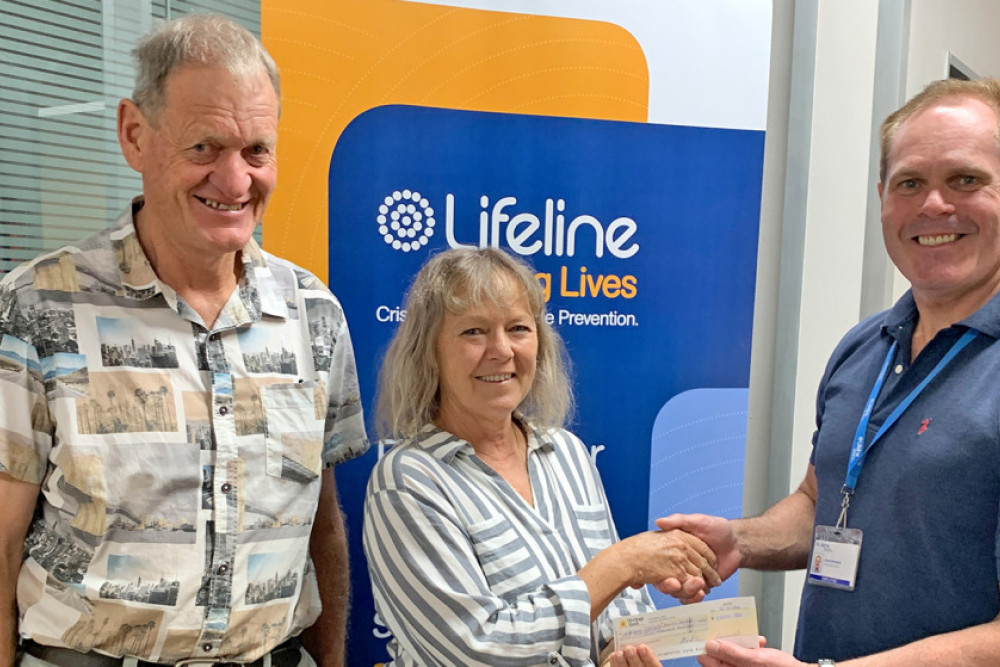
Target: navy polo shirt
{"type": "Point", "coordinates": [928, 497]}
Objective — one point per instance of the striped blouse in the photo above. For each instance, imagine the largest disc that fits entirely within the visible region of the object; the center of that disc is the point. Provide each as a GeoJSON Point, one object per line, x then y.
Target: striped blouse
{"type": "Point", "coordinates": [465, 572]}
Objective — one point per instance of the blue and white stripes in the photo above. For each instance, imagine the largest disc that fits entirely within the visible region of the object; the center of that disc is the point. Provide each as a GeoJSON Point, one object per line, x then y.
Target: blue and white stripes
{"type": "Point", "coordinates": [466, 572]}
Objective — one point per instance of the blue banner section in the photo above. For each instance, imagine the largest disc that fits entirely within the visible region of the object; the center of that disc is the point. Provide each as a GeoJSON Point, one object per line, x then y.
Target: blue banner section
{"type": "Point", "coordinates": [696, 465]}
{"type": "Point", "coordinates": [643, 236]}
{"type": "Point", "coordinates": [696, 461]}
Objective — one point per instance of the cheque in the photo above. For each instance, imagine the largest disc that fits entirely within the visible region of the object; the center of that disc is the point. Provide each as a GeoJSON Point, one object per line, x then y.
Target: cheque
{"type": "Point", "coordinates": [680, 632]}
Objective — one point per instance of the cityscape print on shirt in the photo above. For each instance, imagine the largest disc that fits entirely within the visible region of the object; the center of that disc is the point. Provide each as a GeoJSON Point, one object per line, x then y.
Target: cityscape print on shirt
{"type": "Point", "coordinates": [181, 466]}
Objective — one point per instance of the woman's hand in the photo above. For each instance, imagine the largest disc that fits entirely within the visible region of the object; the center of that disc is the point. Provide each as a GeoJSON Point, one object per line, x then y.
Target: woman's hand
{"type": "Point", "coordinates": [657, 556]}
{"type": "Point", "coordinates": [672, 559]}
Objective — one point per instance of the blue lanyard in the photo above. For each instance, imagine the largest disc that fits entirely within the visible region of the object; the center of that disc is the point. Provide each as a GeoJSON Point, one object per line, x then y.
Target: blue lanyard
{"type": "Point", "coordinates": [859, 451]}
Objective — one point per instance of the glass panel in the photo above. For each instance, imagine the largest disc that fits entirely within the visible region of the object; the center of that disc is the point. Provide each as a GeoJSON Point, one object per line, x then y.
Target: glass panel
{"type": "Point", "coordinates": [64, 64]}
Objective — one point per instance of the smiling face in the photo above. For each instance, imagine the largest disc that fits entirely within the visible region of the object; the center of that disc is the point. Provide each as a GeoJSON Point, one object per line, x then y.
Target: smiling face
{"type": "Point", "coordinates": [207, 162]}
{"type": "Point", "coordinates": [941, 203]}
{"type": "Point", "coordinates": [486, 360]}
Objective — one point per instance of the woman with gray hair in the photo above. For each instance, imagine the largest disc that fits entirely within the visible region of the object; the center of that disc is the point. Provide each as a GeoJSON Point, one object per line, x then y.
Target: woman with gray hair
{"type": "Point", "coordinates": [487, 532]}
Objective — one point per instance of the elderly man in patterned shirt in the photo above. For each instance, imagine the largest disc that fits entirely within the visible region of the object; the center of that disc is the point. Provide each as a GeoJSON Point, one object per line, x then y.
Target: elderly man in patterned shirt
{"type": "Point", "coordinates": [174, 399]}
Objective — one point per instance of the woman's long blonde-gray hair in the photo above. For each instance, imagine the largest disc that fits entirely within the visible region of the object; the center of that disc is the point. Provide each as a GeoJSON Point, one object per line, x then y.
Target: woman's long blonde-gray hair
{"type": "Point", "coordinates": [454, 281]}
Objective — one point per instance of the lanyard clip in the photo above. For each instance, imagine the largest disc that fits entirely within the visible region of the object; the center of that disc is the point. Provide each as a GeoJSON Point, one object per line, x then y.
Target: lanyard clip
{"type": "Point", "coordinates": [844, 504]}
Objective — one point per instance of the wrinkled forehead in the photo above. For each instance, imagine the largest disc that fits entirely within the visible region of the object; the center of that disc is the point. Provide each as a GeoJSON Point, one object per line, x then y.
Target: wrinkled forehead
{"type": "Point", "coordinates": [214, 99]}
{"type": "Point", "coordinates": [217, 81]}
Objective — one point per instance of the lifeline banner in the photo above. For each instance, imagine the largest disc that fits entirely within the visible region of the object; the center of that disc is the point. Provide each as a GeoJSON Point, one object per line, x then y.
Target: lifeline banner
{"type": "Point", "coordinates": [590, 140]}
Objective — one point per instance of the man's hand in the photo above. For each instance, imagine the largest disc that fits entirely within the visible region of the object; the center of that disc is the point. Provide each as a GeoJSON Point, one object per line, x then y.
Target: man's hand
{"type": "Point", "coordinates": [715, 532]}
{"type": "Point", "coordinates": [632, 656]}
{"type": "Point", "coordinates": [16, 511]}
{"type": "Point", "coordinates": [326, 638]}
{"type": "Point", "coordinates": [726, 654]}
{"type": "Point", "coordinates": [691, 591]}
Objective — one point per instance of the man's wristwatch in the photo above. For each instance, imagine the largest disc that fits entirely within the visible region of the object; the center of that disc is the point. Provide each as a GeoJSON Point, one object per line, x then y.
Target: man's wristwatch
{"type": "Point", "coordinates": [826, 662]}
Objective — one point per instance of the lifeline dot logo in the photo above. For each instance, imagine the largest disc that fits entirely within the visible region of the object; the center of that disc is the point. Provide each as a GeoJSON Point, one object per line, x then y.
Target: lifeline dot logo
{"type": "Point", "coordinates": [406, 220]}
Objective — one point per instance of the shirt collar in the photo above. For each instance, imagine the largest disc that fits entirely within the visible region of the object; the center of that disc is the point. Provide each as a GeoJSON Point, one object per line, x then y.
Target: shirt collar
{"type": "Point", "coordinates": [135, 272]}
{"type": "Point", "coordinates": [900, 319]}
{"type": "Point", "coordinates": [269, 293]}
{"type": "Point", "coordinates": [258, 290]}
{"type": "Point", "coordinates": [987, 319]}
{"type": "Point", "coordinates": [445, 446]}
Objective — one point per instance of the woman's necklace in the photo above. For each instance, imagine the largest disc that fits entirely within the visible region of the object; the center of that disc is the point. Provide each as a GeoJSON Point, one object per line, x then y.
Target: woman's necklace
{"type": "Point", "coordinates": [520, 448]}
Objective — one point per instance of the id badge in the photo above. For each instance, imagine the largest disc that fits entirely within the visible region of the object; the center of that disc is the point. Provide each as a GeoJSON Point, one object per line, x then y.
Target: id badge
{"type": "Point", "coordinates": [833, 561]}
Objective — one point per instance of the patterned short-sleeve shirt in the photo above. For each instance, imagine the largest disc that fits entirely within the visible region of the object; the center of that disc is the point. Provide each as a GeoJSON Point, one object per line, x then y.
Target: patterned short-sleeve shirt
{"type": "Point", "coordinates": [180, 466]}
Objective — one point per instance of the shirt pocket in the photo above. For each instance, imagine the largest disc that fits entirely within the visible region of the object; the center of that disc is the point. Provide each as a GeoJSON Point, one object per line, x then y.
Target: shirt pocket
{"type": "Point", "coordinates": [593, 528]}
{"type": "Point", "coordinates": [294, 431]}
{"type": "Point", "coordinates": [508, 565]}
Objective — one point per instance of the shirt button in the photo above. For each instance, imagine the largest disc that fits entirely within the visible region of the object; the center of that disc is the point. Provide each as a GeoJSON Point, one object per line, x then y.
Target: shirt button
{"type": "Point", "coordinates": [206, 647]}
{"type": "Point", "coordinates": [898, 369]}
{"type": "Point", "coordinates": [226, 488]}
{"type": "Point", "coordinates": [223, 568]}
{"type": "Point", "coordinates": [214, 337]}
{"type": "Point", "coordinates": [223, 410]}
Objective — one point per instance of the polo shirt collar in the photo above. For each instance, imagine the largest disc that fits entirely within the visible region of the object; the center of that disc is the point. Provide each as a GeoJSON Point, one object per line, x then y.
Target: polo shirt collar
{"type": "Point", "coordinates": [900, 319]}
{"type": "Point", "coordinates": [987, 319]}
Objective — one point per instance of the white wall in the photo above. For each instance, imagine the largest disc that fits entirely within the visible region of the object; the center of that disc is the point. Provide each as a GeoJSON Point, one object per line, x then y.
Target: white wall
{"type": "Point", "coordinates": [685, 43]}
{"type": "Point", "coordinates": [965, 28]}
{"type": "Point", "coordinates": [833, 228]}
{"type": "Point", "coordinates": [867, 57]}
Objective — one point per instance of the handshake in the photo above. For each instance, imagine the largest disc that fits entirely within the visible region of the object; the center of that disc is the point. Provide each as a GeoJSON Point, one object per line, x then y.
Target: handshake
{"type": "Point", "coordinates": [686, 558]}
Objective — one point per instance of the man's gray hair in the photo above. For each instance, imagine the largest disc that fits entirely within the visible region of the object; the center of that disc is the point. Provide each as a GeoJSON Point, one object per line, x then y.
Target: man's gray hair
{"type": "Point", "coordinates": [454, 281]}
{"type": "Point", "coordinates": [195, 39]}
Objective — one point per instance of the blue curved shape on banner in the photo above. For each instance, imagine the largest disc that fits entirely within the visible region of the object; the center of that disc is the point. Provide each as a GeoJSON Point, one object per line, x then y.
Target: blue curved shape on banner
{"type": "Point", "coordinates": [697, 458]}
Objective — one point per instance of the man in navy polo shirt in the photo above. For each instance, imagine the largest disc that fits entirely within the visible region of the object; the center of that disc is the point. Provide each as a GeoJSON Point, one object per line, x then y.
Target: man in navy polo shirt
{"type": "Point", "coordinates": [897, 518]}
